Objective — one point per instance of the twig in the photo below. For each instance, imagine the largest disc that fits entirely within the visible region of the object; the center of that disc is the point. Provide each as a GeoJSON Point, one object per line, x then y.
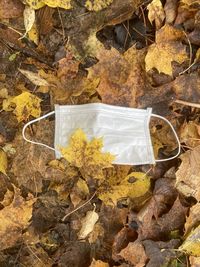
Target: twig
{"type": "Point", "coordinates": [194, 105]}
{"type": "Point", "coordinates": [71, 212]}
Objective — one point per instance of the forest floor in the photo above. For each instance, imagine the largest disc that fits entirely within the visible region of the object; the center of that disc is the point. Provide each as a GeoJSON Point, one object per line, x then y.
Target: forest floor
{"type": "Point", "coordinates": [82, 210]}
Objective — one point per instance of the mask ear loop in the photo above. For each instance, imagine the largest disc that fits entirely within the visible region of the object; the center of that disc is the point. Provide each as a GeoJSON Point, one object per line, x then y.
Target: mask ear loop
{"type": "Point", "coordinates": [175, 134]}
{"type": "Point", "coordinates": [33, 121]}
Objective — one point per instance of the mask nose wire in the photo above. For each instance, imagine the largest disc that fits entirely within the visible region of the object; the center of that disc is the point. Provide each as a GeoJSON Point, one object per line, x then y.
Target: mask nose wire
{"type": "Point", "coordinates": [175, 134]}
{"type": "Point", "coordinates": [33, 121]}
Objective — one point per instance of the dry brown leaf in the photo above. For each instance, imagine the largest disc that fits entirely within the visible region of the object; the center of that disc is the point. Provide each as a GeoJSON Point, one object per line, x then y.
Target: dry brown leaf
{"type": "Point", "coordinates": [34, 78]}
{"type": "Point", "coordinates": [134, 254]}
{"type": "Point", "coordinates": [167, 49]}
{"type": "Point", "coordinates": [121, 77]}
{"type": "Point", "coordinates": [88, 224]}
{"type": "Point", "coordinates": [170, 10]}
{"type": "Point", "coordinates": [194, 261]}
{"type": "Point", "coordinates": [98, 263]}
{"type": "Point", "coordinates": [193, 218]}
{"type": "Point", "coordinates": [188, 174]}
{"type": "Point", "coordinates": [156, 13]}
{"type": "Point", "coordinates": [10, 9]}
{"type": "Point", "coordinates": [97, 233]}
{"type": "Point", "coordinates": [14, 219]}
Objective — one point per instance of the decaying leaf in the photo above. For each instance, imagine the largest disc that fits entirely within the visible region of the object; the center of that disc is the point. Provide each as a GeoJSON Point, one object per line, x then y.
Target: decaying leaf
{"type": "Point", "coordinates": [66, 4]}
{"type": "Point", "coordinates": [167, 49]}
{"type": "Point", "coordinates": [29, 18]}
{"type": "Point", "coordinates": [98, 263]}
{"type": "Point", "coordinates": [97, 233]}
{"type": "Point", "coordinates": [191, 245]}
{"type": "Point", "coordinates": [10, 9]}
{"type": "Point", "coordinates": [193, 218]}
{"type": "Point", "coordinates": [14, 219]}
{"type": "Point", "coordinates": [87, 155]}
{"type": "Point", "coordinates": [132, 186]}
{"type": "Point", "coordinates": [188, 174]}
{"type": "Point", "coordinates": [26, 104]}
{"type": "Point", "coordinates": [3, 162]}
{"type": "Point", "coordinates": [134, 254]}
{"type": "Point", "coordinates": [123, 83]}
{"type": "Point", "coordinates": [88, 224]}
{"type": "Point", "coordinates": [156, 13]}
{"type": "Point", "coordinates": [34, 78]}
{"type": "Point", "coordinates": [189, 134]}
{"type": "Point", "coordinates": [97, 5]}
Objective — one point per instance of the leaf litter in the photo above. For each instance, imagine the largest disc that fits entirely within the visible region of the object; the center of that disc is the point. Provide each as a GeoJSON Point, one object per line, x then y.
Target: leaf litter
{"type": "Point", "coordinates": [132, 53]}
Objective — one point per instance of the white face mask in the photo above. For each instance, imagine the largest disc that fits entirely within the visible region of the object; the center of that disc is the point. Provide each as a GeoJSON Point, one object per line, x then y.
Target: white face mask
{"type": "Point", "coordinates": [125, 131]}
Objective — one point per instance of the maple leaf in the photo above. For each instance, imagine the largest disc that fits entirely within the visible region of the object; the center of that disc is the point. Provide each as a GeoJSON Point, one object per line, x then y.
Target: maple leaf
{"type": "Point", "coordinates": [87, 155]}
{"type": "Point", "coordinates": [166, 50]}
{"type": "Point", "coordinates": [26, 104]}
{"type": "Point", "coordinates": [14, 219]}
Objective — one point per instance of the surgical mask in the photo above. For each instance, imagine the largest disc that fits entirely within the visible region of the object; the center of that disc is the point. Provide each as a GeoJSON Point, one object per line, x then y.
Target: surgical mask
{"type": "Point", "coordinates": [125, 131]}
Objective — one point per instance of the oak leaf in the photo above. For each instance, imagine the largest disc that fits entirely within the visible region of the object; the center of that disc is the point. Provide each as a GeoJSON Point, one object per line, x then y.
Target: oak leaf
{"type": "Point", "coordinates": [26, 104]}
{"type": "Point", "coordinates": [14, 219]}
{"type": "Point", "coordinates": [87, 155]}
{"type": "Point", "coordinates": [167, 49]}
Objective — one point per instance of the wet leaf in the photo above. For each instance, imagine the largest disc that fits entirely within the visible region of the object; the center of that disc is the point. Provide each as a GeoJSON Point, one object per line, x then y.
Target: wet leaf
{"type": "Point", "coordinates": [26, 105]}
{"type": "Point", "coordinates": [3, 162]}
{"type": "Point", "coordinates": [132, 186]}
{"type": "Point", "coordinates": [14, 219]}
{"type": "Point", "coordinates": [88, 224]}
{"type": "Point", "coordinates": [34, 78]}
{"type": "Point", "coordinates": [191, 245]}
{"type": "Point", "coordinates": [166, 50]}
{"type": "Point", "coordinates": [66, 4]}
{"type": "Point", "coordinates": [87, 155]}
{"type": "Point", "coordinates": [156, 13]}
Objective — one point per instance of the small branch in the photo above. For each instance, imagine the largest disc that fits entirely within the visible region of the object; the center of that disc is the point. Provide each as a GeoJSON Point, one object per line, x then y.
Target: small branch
{"type": "Point", "coordinates": [194, 105]}
{"type": "Point", "coordinates": [71, 212]}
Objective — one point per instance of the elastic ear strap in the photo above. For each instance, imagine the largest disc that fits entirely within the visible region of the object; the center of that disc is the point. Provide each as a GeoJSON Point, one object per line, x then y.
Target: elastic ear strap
{"type": "Point", "coordinates": [175, 134]}
{"type": "Point", "coordinates": [33, 121]}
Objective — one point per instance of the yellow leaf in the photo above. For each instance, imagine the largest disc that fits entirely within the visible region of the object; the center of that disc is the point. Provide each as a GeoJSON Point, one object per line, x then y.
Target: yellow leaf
{"type": "Point", "coordinates": [161, 54]}
{"type": "Point", "coordinates": [156, 13]}
{"type": "Point", "coordinates": [3, 162]}
{"type": "Point", "coordinates": [82, 185]}
{"type": "Point", "coordinates": [34, 78]}
{"type": "Point", "coordinates": [33, 34]}
{"type": "Point", "coordinates": [66, 4]}
{"type": "Point", "coordinates": [97, 5]}
{"type": "Point", "coordinates": [98, 263]}
{"type": "Point", "coordinates": [88, 224]}
{"type": "Point", "coordinates": [134, 185]}
{"type": "Point", "coordinates": [26, 104]}
{"type": "Point", "coordinates": [14, 219]}
{"type": "Point", "coordinates": [86, 154]}
{"type": "Point", "coordinates": [192, 243]}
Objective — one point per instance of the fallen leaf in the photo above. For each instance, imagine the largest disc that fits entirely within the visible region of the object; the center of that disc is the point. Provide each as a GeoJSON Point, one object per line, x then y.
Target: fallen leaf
{"type": "Point", "coordinates": [66, 4]}
{"type": "Point", "coordinates": [191, 245]}
{"type": "Point", "coordinates": [170, 9]}
{"type": "Point", "coordinates": [33, 34]}
{"type": "Point", "coordinates": [34, 78]}
{"type": "Point", "coordinates": [29, 18]}
{"type": "Point", "coordinates": [156, 13]}
{"type": "Point", "coordinates": [98, 232]}
{"type": "Point", "coordinates": [187, 176]}
{"type": "Point", "coordinates": [4, 93]}
{"type": "Point", "coordinates": [189, 134]}
{"type": "Point", "coordinates": [88, 224]}
{"type": "Point", "coordinates": [87, 155]}
{"type": "Point", "coordinates": [193, 219]}
{"type": "Point", "coordinates": [120, 85]}
{"type": "Point", "coordinates": [194, 261]}
{"type": "Point", "coordinates": [166, 50]}
{"type": "Point", "coordinates": [132, 186]}
{"type": "Point", "coordinates": [26, 104]}
{"type": "Point", "coordinates": [134, 254]}
{"type": "Point", "coordinates": [97, 5]}
{"type": "Point", "coordinates": [3, 162]}
{"type": "Point", "coordinates": [10, 9]}
{"type": "Point", "coordinates": [14, 219]}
